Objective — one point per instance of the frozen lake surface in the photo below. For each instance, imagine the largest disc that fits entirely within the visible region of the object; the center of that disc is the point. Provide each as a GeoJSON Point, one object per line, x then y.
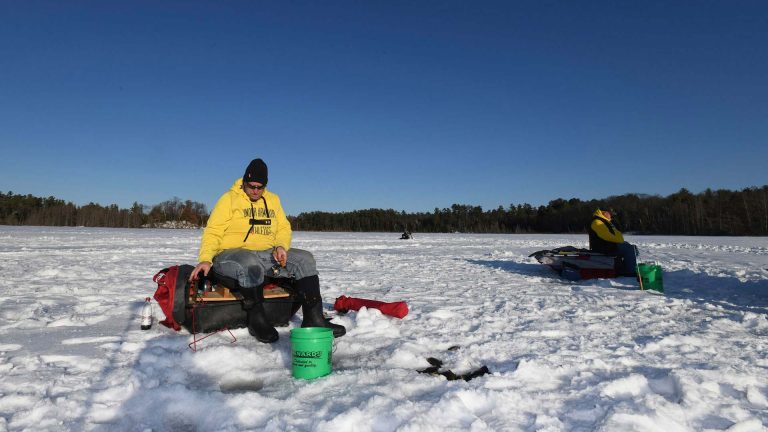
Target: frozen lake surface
{"type": "Point", "coordinates": [580, 356]}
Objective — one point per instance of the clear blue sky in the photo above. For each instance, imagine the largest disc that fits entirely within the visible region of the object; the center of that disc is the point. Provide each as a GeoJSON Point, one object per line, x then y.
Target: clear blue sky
{"type": "Point", "coordinates": [408, 105]}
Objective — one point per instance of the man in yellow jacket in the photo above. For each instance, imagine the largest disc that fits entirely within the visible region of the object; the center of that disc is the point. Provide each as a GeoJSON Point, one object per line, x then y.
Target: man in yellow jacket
{"type": "Point", "coordinates": [248, 237]}
{"type": "Point", "coordinates": [605, 238]}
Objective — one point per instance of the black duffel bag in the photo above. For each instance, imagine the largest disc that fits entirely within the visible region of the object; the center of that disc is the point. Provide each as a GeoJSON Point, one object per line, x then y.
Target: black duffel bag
{"type": "Point", "coordinates": [185, 306]}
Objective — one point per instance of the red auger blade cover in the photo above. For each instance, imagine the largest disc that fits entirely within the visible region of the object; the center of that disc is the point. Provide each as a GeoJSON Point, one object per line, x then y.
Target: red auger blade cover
{"type": "Point", "coordinates": [394, 309]}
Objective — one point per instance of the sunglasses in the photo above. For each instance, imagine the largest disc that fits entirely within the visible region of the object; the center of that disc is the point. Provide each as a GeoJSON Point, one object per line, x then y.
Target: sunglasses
{"type": "Point", "coordinates": [254, 187]}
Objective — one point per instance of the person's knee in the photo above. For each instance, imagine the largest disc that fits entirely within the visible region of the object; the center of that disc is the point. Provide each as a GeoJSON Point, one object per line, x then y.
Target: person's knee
{"type": "Point", "coordinates": [247, 258]}
{"type": "Point", "coordinates": [255, 274]}
{"type": "Point", "coordinates": [304, 262]}
{"type": "Point", "coordinates": [303, 256]}
{"type": "Point", "coordinates": [242, 265]}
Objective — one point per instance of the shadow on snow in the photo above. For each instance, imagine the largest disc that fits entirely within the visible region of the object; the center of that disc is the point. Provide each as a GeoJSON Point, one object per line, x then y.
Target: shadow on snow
{"type": "Point", "coordinates": [726, 292]}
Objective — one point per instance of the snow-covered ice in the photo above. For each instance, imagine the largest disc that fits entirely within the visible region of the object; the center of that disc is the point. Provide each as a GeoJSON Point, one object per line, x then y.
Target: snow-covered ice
{"type": "Point", "coordinates": [580, 356]}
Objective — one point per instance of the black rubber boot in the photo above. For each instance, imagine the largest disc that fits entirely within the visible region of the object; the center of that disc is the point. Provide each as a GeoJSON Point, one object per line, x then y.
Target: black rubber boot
{"type": "Point", "coordinates": [258, 326]}
{"type": "Point", "coordinates": [313, 317]}
{"type": "Point", "coordinates": [308, 293]}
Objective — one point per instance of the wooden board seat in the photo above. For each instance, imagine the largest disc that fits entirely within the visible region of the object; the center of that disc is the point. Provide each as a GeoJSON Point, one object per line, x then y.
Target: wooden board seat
{"type": "Point", "coordinates": [220, 293]}
{"type": "Point", "coordinates": [275, 291]}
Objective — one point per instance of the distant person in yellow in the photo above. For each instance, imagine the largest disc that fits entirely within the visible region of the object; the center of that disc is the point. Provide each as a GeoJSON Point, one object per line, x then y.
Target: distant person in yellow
{"type": "Point", "coordinates": [605, 238]}
{"type": "Point", "coordinates": [248, 237]}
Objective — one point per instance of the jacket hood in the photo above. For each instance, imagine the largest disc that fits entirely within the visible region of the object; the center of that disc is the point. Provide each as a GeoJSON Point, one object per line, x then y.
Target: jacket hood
{"type": "Point", "coordinates": [237, 187]}
{"type": "Point", "coordinates": [237, 190]}
{"type": "Point", "coordinates": [599, 213]}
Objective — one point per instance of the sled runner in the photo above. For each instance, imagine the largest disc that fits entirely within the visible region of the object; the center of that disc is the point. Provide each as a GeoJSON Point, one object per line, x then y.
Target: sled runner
{"type": "Point", "coordinates": [575, 264]}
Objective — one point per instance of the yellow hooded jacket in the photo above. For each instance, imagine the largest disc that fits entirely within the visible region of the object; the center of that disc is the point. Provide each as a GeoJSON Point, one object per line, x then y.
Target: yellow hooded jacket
{"type": "Point", "coordinates": [603, 236]}
{"type": "Point", "coordinates": [230, 224]}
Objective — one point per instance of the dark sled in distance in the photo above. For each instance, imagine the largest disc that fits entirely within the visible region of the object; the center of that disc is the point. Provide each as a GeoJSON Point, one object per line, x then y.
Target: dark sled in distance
{"type": "Point", "coordinates": [575, 264]}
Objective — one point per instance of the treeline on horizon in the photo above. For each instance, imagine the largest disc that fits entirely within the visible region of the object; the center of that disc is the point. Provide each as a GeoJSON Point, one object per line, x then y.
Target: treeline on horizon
{"type": "Point", "coordinates": [31, 210]}
{"type": "Point", "coordinates": [718, 212]}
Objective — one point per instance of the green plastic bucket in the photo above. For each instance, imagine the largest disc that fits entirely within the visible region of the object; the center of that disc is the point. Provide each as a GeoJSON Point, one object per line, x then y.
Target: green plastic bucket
{"type": "Point", "coordinates": [311, 349]}
{"type": "Point", "coordinates": [651, 276]}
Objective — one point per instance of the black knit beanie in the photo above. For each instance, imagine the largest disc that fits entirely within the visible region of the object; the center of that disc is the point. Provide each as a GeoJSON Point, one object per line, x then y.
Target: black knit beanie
{"type": "Point", "coordinates": [256, 172]}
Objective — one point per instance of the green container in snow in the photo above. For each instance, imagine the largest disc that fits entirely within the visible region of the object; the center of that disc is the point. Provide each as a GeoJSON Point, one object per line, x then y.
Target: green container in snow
{"type": "Point", "coordinates": [651, 276]}
{"type": "Point", "coordinates": [311, 349]}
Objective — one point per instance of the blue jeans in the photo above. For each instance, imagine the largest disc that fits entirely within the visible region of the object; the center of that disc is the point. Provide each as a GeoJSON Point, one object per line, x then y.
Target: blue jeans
{"type": "Point", "coordinates": [251, 267]}
{"type": "Point", "coordinates": [628, 254]}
